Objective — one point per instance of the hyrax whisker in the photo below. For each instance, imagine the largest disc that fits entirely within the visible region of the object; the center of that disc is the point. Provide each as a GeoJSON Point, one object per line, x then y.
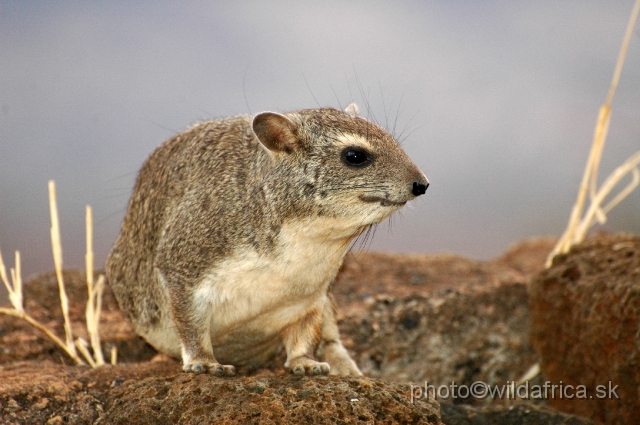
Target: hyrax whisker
{"type": "Point", "coordinates": [395, 121]}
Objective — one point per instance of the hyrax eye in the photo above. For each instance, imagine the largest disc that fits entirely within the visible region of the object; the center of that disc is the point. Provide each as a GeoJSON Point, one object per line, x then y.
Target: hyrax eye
{"type": "Point", "coordinates": [356, 157]}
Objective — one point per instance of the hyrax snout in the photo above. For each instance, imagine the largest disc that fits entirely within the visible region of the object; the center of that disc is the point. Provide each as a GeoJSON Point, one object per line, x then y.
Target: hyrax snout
{"type": "Point", "coordinates": [237, 227]}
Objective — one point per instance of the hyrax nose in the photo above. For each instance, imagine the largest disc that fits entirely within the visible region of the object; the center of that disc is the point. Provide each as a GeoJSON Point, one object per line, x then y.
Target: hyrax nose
{"type": "Point", "coordinates": [420, 185]}
{"type": "Point", "coordinates": [419, 188]}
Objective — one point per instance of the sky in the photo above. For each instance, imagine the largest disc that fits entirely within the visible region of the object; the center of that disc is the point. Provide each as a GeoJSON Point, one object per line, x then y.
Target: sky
{"type": "Point", "coordinates": [496, 101]}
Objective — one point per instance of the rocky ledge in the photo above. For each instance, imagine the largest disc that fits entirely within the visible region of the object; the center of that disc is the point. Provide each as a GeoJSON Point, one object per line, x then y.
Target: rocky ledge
{"type": "Point", "coordinates": [414, 323]}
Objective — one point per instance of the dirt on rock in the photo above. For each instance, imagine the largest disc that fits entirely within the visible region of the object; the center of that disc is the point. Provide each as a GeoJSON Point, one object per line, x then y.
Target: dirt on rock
{"type": "Point", "coordinates": [408, 321]}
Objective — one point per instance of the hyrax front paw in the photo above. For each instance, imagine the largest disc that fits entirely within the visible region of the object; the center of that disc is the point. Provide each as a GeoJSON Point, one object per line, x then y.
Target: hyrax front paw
{"type": "Point", "coordinates": [306, 366]}
{"type": "Point", "coordinates": [211, 367]}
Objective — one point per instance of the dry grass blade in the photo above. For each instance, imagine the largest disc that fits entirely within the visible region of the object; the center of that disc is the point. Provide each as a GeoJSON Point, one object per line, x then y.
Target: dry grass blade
{"type": "Point", "coordinates": [95, 291]}
{"type": "Point", "coordinates": [84, 350]}
{"type": "Point", "coordinates": [94, 308]}
{"type": "Point", "coordinates": [94, 301]}
{"type": "Point", "coordinates": [531, 373]}
{"type": "Point", "coordinates": [15, 297]}
{"type": "Point", "coordinates": [114, 355]}
{"type": "Point", "coordinates": [3, 273]}
{"type": "Point", "coordinates": [36, 324]}
{"type": "Point", "coordinates": [15, 290]}
{"type": "Point", "coordinates": [56, 247]}
{"type": "Point", "coordinates": [597, 213]}
{"type": "Point", "coordinates": [578, 225]}
{"type": "Point", "coordinates": [16, 275]}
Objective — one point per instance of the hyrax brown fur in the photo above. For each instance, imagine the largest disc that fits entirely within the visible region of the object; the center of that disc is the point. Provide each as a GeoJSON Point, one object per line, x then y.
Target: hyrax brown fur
{"type": "Point", "coordinates": [237, 227]}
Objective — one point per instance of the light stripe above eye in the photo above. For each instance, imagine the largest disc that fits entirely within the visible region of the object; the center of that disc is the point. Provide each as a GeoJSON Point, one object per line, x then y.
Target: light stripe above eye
{"type": "Point", "coordinates": [350, 139]}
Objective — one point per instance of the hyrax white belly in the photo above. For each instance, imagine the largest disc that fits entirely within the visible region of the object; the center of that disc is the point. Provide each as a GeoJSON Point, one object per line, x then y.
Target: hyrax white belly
{"type": "Point", "coordinates": [251, 298]}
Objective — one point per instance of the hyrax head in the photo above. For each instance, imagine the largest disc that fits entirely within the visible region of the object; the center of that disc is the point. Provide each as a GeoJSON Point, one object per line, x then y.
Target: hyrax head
{"type": "Point", "coordinates": [339, 164]}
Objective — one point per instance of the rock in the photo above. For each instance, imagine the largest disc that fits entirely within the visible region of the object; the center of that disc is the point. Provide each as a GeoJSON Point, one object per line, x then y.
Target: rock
{"type": "Point", "coordinates": [517, 414]}
{"type": "Point", "coordinates": [479, 334]}
{"type": "Point", "coordinates": [159, 392]}
{"type": "Point", "coordinates": [406, 319]}
{"type": "Point", "coordinates": [440, 318]}
{"type": "Point", "coordinates": [586, 327]}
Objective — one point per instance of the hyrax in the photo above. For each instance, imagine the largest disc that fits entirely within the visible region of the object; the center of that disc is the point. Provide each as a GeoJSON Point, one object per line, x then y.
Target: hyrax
{"type": "Point", "coordinates": [237, 227]}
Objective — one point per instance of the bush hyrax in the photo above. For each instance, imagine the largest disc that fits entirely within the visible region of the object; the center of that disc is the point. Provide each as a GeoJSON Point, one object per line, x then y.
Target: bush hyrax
{"type": "Point", "coordinates": [237, 227]}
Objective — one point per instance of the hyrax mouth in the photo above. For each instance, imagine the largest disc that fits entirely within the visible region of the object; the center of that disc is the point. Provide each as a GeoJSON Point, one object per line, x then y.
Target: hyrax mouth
{"type": "Point", "coordinates": [383, 201]}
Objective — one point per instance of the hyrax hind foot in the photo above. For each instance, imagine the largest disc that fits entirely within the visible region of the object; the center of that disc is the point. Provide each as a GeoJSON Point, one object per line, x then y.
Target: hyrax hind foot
{"type": "Point", "coordinates": [306, 366]}
{"type": "Point", "coordinates": [208, 366]}
{"type": "Point", "coordinates": [341, 363]}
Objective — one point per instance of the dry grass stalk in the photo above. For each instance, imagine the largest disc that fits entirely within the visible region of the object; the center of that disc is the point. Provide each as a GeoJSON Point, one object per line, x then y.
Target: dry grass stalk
{"type": "Point", "coordinates": [15, 291]}
{"type": "Point", "coordinates": [83, 347]}
{"type": "Point", "coordinates": [94, 308]}
{"type": "Point", "coordinates": [578, 225]}
{"type": "Point", "coordinates": [94, 302]}
{"type": "Point", "coordinates": [596, 213]}
{"type": "Point", "coordinates": [15, 297]}
{"type": "Point", "coordinates": [114, 355]}
{"type": "Point", "coordinates": [56, 247]}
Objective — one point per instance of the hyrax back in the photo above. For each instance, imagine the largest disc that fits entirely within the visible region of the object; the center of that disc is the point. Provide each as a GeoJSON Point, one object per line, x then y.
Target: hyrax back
{"type": "Point", "coordinates": [237, 227]}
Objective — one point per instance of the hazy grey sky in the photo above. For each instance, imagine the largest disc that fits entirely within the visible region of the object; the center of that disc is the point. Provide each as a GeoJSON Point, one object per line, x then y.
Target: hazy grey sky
{"type": "Point", "coordinates": [494, 100]}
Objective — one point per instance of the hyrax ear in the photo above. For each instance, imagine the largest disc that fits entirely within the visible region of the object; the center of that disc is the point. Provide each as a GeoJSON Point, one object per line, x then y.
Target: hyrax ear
{"type": "Point", "coordinates": [276, 132]}
{"type": "Point", "coordinates": [352, 110]}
